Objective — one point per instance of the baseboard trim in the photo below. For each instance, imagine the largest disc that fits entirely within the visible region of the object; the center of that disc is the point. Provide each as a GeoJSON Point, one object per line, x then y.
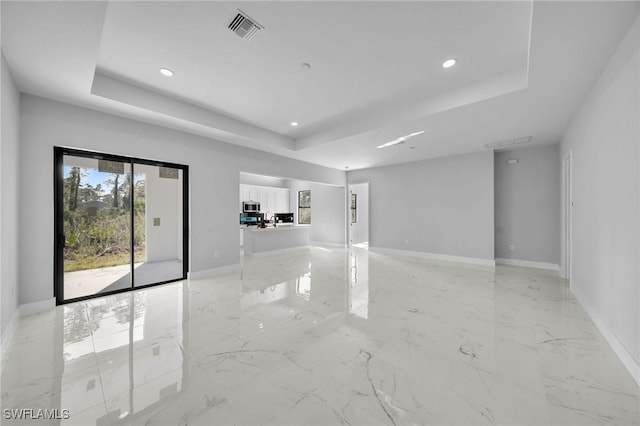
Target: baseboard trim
{"type": "Point", "coordinates": [37, 307]}
{"type": "Point", "coordinates": [279, 251]}
{"type": "Point", "coordinates": [213, 272]}
{"type": "Point", "coordinates": [7, 335]}
{"type": "Point", "coordinates": [528, 264]}
{"type": "Point", "coordinates": [630, 363]}
{"type": "Point", "coordinates": [323, 243]}
{"type": "Point", "coordinates": [436, 256]}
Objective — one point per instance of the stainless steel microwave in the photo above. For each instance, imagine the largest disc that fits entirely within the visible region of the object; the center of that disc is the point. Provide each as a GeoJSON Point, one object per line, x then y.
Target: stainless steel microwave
{"type": "Point", "coordinates": [250, 206]}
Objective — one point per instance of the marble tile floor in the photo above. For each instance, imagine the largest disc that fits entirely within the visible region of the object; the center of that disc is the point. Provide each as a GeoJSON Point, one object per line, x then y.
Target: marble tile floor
{"type": "Point", "coordinates": [324, 336]}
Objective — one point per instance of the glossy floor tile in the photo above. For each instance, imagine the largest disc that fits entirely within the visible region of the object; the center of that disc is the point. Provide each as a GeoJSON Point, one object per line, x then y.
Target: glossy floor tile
{"type": "Point", "coordinates": [324, 336]}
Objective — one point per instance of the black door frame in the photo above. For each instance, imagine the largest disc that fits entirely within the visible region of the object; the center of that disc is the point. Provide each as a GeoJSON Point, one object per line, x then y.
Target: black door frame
{"type": "Point", "coordinates": [58, 218]}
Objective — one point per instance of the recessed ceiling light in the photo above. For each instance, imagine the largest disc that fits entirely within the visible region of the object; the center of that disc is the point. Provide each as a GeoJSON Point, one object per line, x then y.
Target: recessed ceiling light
{"type": "Point", "coordinates": [166, 72]}
{"type": "Point", "coordinates": [449, 63]}
{"type": "Point", "coordinates": [294, 124]}
{"type": "Point", "coordinates": [401, 139]}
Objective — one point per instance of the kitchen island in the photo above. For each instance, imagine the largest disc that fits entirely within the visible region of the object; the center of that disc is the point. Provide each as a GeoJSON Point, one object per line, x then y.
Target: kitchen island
{"type": "Point", "coordinates": [270, 239]}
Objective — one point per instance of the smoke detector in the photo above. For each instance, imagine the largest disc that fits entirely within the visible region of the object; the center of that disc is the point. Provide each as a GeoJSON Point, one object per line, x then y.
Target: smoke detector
{"type": "Point", "coordinates": [244, 26]}
{"type": "Point", "coordinates": [508, 142]}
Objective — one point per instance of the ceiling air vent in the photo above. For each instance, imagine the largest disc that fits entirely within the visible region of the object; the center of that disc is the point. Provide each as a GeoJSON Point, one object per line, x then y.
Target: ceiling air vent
{"type": "Point", "coordinates": [508, 142]}
{"type": "Point", "coordinates": [244, 26]}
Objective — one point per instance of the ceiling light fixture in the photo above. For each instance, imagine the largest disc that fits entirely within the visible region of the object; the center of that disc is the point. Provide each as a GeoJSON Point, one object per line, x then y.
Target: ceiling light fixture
{"type": "Point", "coordinates": [449, 63]}
{"type": "Point", "coordinates": [294, 124]}
{"type": "Point", "coordinates": [400, 140]}
{"type": "Point", "coordinates": [166, 72]}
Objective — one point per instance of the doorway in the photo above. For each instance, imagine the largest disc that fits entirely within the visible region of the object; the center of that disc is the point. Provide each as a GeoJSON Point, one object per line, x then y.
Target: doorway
{"type": "Point", "coordinates": [120, 223]}
{"type": "Point", "coordinates": [567, 207]}
{"type": "Point", "coordinates": [359, 214]}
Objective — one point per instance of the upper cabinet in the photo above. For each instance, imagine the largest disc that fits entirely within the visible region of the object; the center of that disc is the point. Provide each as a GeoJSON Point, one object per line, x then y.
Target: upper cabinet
{"type": "Point", "coordinates": [272, 200]}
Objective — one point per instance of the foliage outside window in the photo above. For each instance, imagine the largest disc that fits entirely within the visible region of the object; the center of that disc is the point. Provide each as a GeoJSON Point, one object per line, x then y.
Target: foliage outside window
{"type": "Point", "coordinates": [354, 208]}
{"type": "Point", "coordinates": [97, 216]}
{"type": "Point", "coordinates": [304, 207]}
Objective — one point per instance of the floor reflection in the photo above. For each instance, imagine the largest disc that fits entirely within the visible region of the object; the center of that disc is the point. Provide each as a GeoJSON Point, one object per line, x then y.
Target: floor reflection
{"type": "Point", "coordinates": [303, 286]}
{"type": "Point", "coordinates": [358, 284]}
{"type": "Point", "coordinates": [272, 293]}
{"type": "Point", "coordinates": [117, 362]}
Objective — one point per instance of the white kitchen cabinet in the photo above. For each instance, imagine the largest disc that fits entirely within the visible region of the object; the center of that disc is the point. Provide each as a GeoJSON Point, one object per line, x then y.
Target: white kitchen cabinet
{"type": "Point", "coordinates": [262, 197]}
{"type": "Point", "coordinates": [282, 201]}
{"type": "Point", "coordinates": [272, 200]}
{"type": "Point", "coordinates": [244, 196]}
{"type": "Point", "coordinates": [254, 193]}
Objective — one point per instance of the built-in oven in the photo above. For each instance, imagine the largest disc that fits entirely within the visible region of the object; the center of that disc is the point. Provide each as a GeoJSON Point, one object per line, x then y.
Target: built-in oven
{"type": "Point", "coordinates": [250, 206]}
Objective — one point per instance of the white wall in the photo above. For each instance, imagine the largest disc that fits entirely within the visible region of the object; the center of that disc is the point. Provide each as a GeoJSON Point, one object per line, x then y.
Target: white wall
{"type": "Point", "coordinates": [327, 210]}
{"type": "Point", "coordinates": [327, 214]}
{"type": "Point", "coordinates": [604, 137]}
{"type": "Point", "coordinates": [259, 180]}
{"type": "Point", "coordinates": [9, 157]}
{"type": "Point", "coordinates": [527, 204]}
{"type": "Point", "coordinates": [360, 229]}
{"type": "Point", "coordinates": [214, 181]}
{"type": "Point", "coordinates": [441, 206]}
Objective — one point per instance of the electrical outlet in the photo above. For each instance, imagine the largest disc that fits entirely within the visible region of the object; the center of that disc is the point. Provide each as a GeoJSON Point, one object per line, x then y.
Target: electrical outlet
{"type": "Point", "coordinates": [511, 247]}
{"type": "Point", "coordinates": [406, 241]}
{"type": "Point", "coordinates": [216, 254]}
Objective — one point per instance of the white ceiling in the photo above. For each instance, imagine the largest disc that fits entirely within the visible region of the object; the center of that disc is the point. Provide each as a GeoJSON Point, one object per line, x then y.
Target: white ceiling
{"type": "Point", "coordinates": [359, 53]}
{"type": "Point", "coordinates": [523, 69]}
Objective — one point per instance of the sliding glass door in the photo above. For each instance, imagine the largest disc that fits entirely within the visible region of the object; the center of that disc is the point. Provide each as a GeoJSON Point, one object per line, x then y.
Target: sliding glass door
{"type": "Point", "coordinates": [158, 224]}
{"type": "Point", "coordinates": [96, 225]}
{"type": "Point", "coordinates": [120, 223]}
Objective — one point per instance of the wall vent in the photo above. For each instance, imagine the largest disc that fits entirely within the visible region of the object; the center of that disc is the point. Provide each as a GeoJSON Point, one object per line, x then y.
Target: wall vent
{"type": "Point", "coordinates": [509, 142]}
{"type": "Point", "coordinates": [244, 26]}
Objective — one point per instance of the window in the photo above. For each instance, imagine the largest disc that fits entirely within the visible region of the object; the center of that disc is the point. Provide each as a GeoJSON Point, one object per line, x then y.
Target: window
{"type": "Point", "coordinates": [354, 208]}
{"type": "Point", "coordinates": [304, 207]}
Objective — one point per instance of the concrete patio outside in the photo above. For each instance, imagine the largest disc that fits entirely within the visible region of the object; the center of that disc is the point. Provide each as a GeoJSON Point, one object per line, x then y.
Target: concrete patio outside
{"type": "Point", "coordinates": [102, 280]}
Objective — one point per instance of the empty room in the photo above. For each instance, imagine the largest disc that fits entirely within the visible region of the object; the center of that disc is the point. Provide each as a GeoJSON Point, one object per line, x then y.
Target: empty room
{"type": "Point", "coordinates": [320, 212]}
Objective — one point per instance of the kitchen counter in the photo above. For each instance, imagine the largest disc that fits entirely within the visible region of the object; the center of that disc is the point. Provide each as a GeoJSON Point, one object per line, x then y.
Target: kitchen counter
{"type": "Point", "coordinates": [280, 226]}
{"type": "Point", "coordinates": [284, 237]}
